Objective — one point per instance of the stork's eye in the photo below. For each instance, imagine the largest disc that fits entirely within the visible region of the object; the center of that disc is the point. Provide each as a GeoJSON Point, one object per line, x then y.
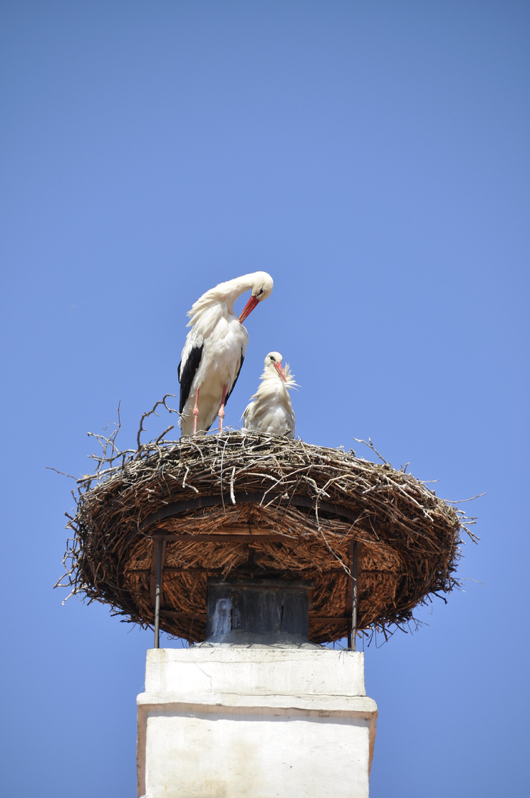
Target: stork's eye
{"type": "Point", "coordinates": [273, 359]}
{"type": "Point", "coordinates": [260, 291]}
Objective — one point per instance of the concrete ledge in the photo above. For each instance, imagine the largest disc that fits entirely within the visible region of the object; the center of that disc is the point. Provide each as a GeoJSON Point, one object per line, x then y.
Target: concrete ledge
{"type": "Point", "coordinates": [261, 670]}
{"type": "Point", "coordinates": [347, 706]}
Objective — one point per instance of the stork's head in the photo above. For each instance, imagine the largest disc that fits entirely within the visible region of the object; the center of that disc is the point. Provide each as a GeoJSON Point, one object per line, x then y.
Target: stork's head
{"type": "Point", "coordinates": [262, 286]}
{"type": "Point", "coordinates": [274, 361]}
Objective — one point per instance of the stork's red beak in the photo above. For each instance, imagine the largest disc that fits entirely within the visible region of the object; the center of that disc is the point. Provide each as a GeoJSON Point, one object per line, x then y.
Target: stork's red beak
{"type": "Point", "coordinates": [281, 372]}
{"type": "Point", "coordinates": [249, 307]}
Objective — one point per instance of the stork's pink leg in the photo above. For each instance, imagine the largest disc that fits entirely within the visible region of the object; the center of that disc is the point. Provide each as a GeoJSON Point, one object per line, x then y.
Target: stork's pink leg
{"type": "Point", "coordinates": [196, 411]}
{"type": "Point", "coordinates": [221, 413]}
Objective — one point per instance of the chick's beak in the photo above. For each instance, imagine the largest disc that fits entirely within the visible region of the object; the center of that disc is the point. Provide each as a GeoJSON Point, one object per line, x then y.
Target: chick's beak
{"type": "Point", "coordinates": [249, 307]}
{"type": "Point", "coordinates": [281, 372]}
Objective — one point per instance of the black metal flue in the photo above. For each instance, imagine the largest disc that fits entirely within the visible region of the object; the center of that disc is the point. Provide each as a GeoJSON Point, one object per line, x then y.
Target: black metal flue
{"type": "Point", "coordinates": [264, 611]}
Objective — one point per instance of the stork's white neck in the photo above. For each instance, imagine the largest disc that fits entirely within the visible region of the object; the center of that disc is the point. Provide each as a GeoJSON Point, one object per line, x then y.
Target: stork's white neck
{"type": "Point", "coordinates": [228, 292]}
{"type": "Point", "coordinates": [225, 294]}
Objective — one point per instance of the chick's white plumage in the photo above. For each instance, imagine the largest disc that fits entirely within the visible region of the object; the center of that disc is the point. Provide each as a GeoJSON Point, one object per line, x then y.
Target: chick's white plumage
{"type": "Point", "coordinates": [270, 409]}
{"type": "Point", "coordinates": [215, 349]}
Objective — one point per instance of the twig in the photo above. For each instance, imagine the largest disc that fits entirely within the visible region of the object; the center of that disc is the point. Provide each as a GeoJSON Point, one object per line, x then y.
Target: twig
{"type": "Point", "coordinates": [164, 433]}
{"type": "Point", "coordinates": [372, 447]}
{"type": "Point", "coordinates": [153, 411]}
{"type": "Point", "coordinates": [63, 473]}
{"type": "Point", "coordinates": [461, 501]}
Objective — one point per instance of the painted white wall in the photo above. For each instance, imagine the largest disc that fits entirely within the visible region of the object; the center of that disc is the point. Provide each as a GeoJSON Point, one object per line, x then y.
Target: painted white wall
{"type": "Point", "coordinates": [254, 722]}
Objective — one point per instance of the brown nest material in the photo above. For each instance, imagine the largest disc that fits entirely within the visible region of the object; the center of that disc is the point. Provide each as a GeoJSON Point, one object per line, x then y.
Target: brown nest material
{"type": "Point", "coordinates": [235, 505]}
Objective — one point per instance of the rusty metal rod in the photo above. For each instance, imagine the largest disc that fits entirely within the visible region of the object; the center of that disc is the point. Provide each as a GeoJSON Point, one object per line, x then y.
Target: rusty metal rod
{"type": "Point", "coordinates": [158, 589]}
{"type": "Point", "coordinates": [354, 598]}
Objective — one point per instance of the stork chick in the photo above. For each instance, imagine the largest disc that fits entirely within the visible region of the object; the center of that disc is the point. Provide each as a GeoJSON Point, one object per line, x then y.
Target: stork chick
{"type": "Point", "coordinates": [270, 409]}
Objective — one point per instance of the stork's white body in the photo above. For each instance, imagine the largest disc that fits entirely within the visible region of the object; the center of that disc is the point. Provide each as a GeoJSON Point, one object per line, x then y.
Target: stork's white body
{"type": "Point", "coordinates": [214, 350]}
{"type": "Point", "coordinates": [223, 352]}
{"type": "Point", "coordinates": [270, 410]}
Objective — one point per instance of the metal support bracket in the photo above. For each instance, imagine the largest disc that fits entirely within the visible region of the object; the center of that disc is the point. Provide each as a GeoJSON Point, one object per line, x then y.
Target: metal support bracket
{"type": "Point", "coordinates": [159, 546]}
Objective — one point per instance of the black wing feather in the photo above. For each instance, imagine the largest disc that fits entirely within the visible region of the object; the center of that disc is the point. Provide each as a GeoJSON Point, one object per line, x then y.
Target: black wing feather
{"type": "Point", "coordinates": [237, 375]}
{"type": "Point", "coordinates": [187, 374]}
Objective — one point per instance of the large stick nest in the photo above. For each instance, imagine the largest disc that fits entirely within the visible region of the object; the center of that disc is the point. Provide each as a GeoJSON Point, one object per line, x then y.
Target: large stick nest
{"type": "Point", "coordinates": [304, 505]}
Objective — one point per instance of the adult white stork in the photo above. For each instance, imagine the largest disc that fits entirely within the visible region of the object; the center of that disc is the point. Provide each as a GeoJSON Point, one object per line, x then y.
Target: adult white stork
{"type": "Point", "coordinates": [215, 349]}
{"type": "Point", "coordinates": [270, 409]}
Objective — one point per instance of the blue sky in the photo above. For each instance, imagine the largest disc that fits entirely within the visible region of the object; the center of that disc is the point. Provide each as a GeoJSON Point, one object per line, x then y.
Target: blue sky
{"type": "Point", "coordinates": [373, 158]}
